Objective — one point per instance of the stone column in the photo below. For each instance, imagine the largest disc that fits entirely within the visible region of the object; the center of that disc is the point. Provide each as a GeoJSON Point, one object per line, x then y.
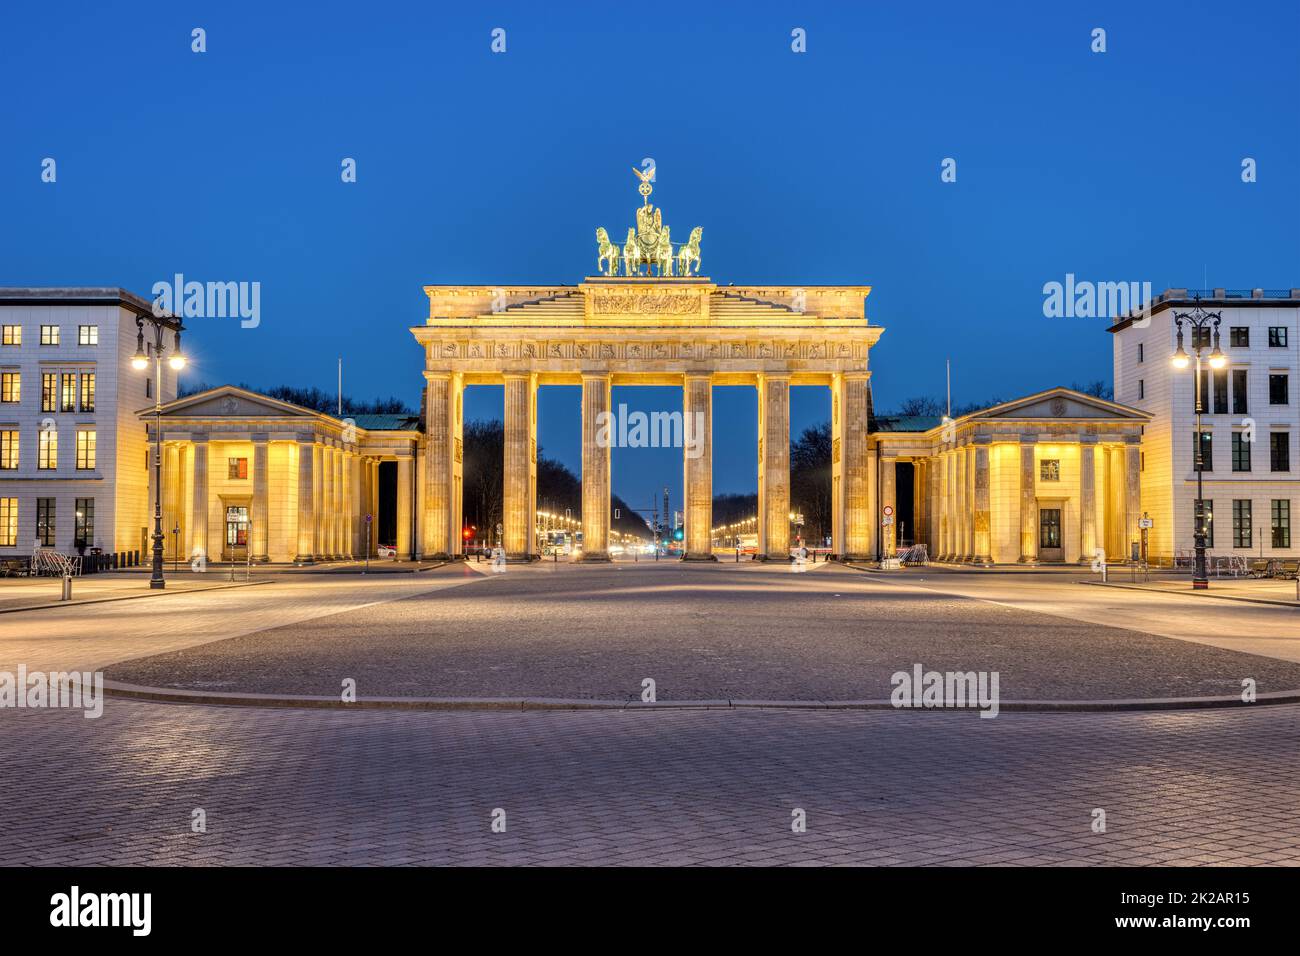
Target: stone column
{"type": "Point", "coordinates": [596, 395]}
{"type": "Point", "coordinates": [851, 463]}
{"type": "Point", "coordinates": [945, 507]}
{"type": "Point", "coordinates": [520, 478]}
{"type": "Point", "coordinates": [774, 467]}
{"type": "Point", "coordinates": [260, 518]}
{"type": "Point", "coordinates": [1133, 497]}
{"type": "Point", "coordinates": [339, 505]}
{"type": "Point", "coordinates": [356, 512]}
{"type": "Point", "coordinates": [199, 520]}
{"type": "Point", "coordinates": [173, 495]}
{"type": "Point", "coordinates": [888, 499]}
{"type": "Point", "coordinates": [960, 551]}
{"type": "Point", "coordinates": [1087, 500]}
{"type": "Point", "coordinates": [306, 500]}
{"type": "Point", "coordinates": [318, 500]}
{"type": "Point", "coordinates": [436, 517]}
{"type": "Point", "coordinates": [405, 502]}
{"type": "Point", "coordinates": [982, 524]}
{"type": "Point", "coordinates": [697, 432]}
{"type": "Point", "coordinates": [1028, 502]}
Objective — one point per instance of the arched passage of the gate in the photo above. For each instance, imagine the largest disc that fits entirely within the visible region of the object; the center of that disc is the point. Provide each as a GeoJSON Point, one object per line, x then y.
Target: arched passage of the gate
{"type": "Point", "coordinates": [684, 332]}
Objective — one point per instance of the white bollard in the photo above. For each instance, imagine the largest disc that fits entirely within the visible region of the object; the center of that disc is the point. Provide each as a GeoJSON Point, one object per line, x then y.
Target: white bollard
{"type": "Point", "coordinates": [67, 588]}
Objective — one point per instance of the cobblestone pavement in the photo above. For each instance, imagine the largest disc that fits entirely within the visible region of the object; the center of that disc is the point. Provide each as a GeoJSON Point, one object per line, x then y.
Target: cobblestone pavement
{"type": "Point", "coordinates": [673, 787]}
{"type": "Point", "coordinates": [711, 632]}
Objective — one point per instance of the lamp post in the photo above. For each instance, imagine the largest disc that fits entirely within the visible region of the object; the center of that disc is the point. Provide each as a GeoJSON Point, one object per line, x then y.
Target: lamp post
{"type": "Point", "coordinates": [1200, 322]}
{"type": "Point", "coordinates": [140, 362]}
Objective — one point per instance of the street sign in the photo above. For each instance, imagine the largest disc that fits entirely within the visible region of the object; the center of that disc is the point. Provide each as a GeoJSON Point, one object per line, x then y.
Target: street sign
{"type": "Point", "coordinates": [369, 518]}
{"type": "Point", "coordinates": [1145, 523]}
{"type": "Point", "coordinates": [889, 510]}
{"type": "Point", "coordinates": [887, 520]}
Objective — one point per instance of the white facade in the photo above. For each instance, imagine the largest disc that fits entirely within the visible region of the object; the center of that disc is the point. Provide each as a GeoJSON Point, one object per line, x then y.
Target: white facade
{"type": "Point", "coordinates": [82, 462]}
{"type": "Point", "coordinates": [1260, 335]}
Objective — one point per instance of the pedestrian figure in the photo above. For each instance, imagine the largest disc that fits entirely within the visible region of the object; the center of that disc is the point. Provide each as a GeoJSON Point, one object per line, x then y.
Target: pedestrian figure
{"type": "Point", "coordinates": [498, 560]}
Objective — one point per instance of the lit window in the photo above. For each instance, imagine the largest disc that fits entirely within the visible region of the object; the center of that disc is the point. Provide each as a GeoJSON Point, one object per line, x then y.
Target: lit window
{"type": "Point", "coordinates": [68, 393]}
{"type": "Point", "coordinates": [8, 450]}
{"type": "Point", "coordinates": [88, 335]}
{"type": "Point", "coordinates": [8, 522]}
{"type": "Point", "coordinates": [11, 335]}
{"type": "Point", "coordinates": [10, 386]}
{"type": "Point", "coordinates": [49, 391]}
{"type": "Point", "coordinates": [87, 391]}
{"type": "Point", "coordinates": [49, 335]}
{"type": "Point", "coordinates": [86, 450]}
{"type": "Point", "coordinates": [47, 458]}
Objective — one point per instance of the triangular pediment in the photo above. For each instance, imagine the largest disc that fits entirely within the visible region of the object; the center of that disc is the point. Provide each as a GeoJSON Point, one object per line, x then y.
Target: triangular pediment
{"type": "Point", "coordinates": [1062, 403]}
{"type": "Point", "coordinates": [230, 401]}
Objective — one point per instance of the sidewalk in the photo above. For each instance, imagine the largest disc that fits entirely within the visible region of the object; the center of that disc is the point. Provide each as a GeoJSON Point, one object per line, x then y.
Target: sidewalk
{"type": "Point", "coordinates": [28, 594]}
{"type": "Point", "coordinates": [1263, 591]}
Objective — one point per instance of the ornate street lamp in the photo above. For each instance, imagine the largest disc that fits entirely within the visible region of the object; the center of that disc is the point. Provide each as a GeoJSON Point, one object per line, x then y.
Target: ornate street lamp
{"type": "Point", "coordinates": [140, 362]}
{"type": "Point", "coordinates": [1201, 322]}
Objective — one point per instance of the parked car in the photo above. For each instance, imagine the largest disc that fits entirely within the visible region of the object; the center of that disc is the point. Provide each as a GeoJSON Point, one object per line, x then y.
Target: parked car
{"type": "Point", "coordinates": [387, 551]}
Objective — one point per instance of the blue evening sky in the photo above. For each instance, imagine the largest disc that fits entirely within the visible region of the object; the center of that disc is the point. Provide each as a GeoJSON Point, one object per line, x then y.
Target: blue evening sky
{"type": "Point", "coordinates": [822, 167]}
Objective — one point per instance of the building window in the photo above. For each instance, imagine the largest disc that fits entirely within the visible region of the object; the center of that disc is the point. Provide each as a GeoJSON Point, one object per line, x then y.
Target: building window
{"type": "Point", "coordinates": [45, 523]}
{"type": "Point", "coordinates": [8, 450]}
{"type": "Point", "coordinates": [1279, 451]}
{"type": "Point", "coordinates": [1239, 391]}
{"type": "Point", "coordinates": [49, 335]}
{"type": "Point", "coordinates": [85, 527]}
{"type": "Point", "coordinates": [12, 335]}
{"type": "Point", "coordinates": [1049, 469]}
{"type": "Point", "coordinates": [1207, 451]}
{"type": "Point", "coordinates": [1281, 513]}
{"type": "Point", "coordinates": [47, 458]}
{"type": "Point", "coordinates": [237, 468]}
{"type": "Point", "coordinates": [1239, 337]}
{"type": "Point", "coordinates": [1278, 393]}
{"type": "Point", "coordinates": [49, 391]}
{"type": "Point", "coordinates": [68, 393]}
{"type": "Point", "coordinates": [11, 386]}
{"type": "Point", "coordinates": [148, 388]}
{"type": "Point", "coordinates": [8, 522]}
{"type": "Point", "coordinates": [1221, 392]}
{"type": "Point", "coordinates": [87, 391]}
{"type": "Point", "coordinates": [86, 450]}
{"type": "Point", "coordinates": [1206, 519]}
{"type": "Point", "coordinates": [1240, 452]}
{"type": "Point", "coordinates": [1200, 337]}
{"type": "Point", "coordinates": [1277, 336]}
{"type": "Point", "coordinates": [1141, 353]}
{"type": "Point", "coordinates": [88, 335]}
{"type": "Point", "coordinates": [1241, 537]}
{"type": "Point", "coordinates": [1142, 388]}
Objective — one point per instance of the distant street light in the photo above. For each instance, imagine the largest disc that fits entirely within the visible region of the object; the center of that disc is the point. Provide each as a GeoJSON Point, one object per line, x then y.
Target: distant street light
{"type": "Point", "coordinates": [1200, 322]}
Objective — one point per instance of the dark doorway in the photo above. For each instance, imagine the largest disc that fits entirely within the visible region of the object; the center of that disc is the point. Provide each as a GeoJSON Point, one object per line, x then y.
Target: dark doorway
{"type": "Point", "coordinates": [904, 482]}
{"type": "Point", "coordinates": [386, 520]}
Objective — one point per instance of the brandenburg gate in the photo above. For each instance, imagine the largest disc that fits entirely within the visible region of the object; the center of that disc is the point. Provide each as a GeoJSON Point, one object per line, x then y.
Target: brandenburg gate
{"type": "Point", "coordinates": [649, 318]}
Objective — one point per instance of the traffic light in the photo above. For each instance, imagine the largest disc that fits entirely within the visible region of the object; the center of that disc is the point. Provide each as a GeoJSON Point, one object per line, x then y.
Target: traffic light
{"type": "Point", "coordinates": [677, 535]}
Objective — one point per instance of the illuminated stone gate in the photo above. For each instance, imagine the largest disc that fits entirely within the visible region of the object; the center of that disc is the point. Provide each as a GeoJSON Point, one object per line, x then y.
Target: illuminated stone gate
{"type": "Point", "coordinates": [674, 328]}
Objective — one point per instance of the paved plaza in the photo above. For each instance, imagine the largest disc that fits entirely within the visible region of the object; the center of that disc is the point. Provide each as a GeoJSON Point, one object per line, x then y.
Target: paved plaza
{"type": "Point", "coordinates": [742, 632]}
{"type": "Point", "coordinates": [638, 787]}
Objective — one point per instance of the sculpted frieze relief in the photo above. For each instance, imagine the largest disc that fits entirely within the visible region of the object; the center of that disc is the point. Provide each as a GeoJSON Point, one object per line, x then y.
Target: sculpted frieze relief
{"type": "Point", "coordinates": [637, 351]}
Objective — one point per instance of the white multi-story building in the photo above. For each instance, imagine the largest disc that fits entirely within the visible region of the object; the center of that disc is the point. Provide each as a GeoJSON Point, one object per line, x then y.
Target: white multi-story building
{"type": "Point", "coordinates": [1250, 420]}
{"type": "Point", "coordinates": [74, 456]}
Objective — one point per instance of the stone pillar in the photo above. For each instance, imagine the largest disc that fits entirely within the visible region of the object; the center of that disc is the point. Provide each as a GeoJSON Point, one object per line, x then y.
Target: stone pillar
{"type": "Point", "coordinates": [697, 432]}
{"type": "Point", "coordinates": [1133, 497]}
{"type": "Point", "coordinates": [199, 519]}
{"type": "Point", "coordinates": [888, 499]}
{"type": "Point", "coordinates": [339, 507]}
{"type": "Point", "coordinates": [259, 537]}
{"type": "Point", "coordinates": [960, 551]}
{"type": "Point", "coordinates": [982, 523]}
{"type": "Point", "coordinates": [436, 517]}
{"type": "Point", "coordinates": [774, 467]}
{"type": "Point", "coordinates": [596, 394]}
{"type": "Point", "coordinates": [945, 506]}
{"type": "Point", "coordinates": [173, 495]}
{"type": "Point", "coordinates": [519, 484]}
{"type": "Point", "coordinates": [306, 500]}
{"type": "Point", "coordinates": [1028, 502]}
{"type": "Point", "coordinates": [851, 462]}
{"type": "Point", "coordinates": [405, 503]}
{"type": "Point", "coordinates": [1088, 542]}
{"type": "Point", "coordinates": [356, 506]}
